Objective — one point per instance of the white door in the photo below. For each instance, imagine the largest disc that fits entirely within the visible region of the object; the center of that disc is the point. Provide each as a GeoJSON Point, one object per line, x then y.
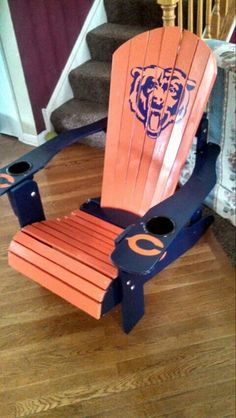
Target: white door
{"type": "Point", "coordinates": [9, 117]}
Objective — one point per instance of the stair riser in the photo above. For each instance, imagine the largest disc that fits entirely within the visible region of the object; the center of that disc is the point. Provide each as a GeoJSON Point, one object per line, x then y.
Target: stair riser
{"type": "Point", "coordinates": [75, 113]}
{"type": "Point", "coordinates": [124, 12]}
{"type": "Point", "coordinates": [102, 48]}
{"type": "Point", "coordinates": [82, 88]}
{"type": "Point", "coordinates": [134, 12]}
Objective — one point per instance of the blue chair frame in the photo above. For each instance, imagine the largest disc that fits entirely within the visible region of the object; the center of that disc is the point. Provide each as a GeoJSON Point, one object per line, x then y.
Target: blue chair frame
{"type": "Point", "coordinates": [183, 210]}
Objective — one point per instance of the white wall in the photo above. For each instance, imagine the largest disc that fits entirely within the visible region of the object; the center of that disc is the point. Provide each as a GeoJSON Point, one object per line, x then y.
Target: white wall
{"type": "Point", "coordinates": [9, 117]}
{"type": "Point", "coordinates": [13, 62]}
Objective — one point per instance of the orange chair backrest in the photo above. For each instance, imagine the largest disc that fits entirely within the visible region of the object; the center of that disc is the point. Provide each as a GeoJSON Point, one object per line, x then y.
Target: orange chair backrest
{"type": "Point", "coordinates": [161, 81]}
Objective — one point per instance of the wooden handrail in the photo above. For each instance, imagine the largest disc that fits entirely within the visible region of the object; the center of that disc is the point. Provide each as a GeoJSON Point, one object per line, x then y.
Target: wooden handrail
{"type": "Point", "coordinates": [219, 16]}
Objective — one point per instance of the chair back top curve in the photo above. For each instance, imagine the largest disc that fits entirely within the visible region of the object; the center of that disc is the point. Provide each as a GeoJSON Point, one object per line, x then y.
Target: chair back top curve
{"type": "Point", "coordinates": [161, 81]}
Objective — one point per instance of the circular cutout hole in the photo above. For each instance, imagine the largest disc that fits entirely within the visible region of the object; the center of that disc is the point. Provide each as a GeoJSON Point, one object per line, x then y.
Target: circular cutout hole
{"type": "Point", "coordinates": [19, 168]}
{"type": "Point", "coordinates": [160, 225]}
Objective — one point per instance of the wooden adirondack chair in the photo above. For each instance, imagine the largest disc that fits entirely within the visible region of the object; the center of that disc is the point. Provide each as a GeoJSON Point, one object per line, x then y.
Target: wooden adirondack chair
{"type": "Point", "coordinates": [104, 252]}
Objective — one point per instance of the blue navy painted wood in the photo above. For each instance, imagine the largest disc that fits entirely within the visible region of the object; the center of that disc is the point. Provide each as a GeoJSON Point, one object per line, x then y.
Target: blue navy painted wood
{"type": "Point", "coordinates": [132, 304]}
{"type": "Point", "coordinates": [183, 209]}
{"type": "Point", "coordinates": [202, 133]}
{"type": "Point", "coordinates": [26, 203]}
{"type": "Point", "coordinates": [179, 208]}
{"type": "Point", "coordinates": [23, 193]}
{"type": "Point", "coordinates": [39, 157]}
{"type": "Point", "coordinates": [115, 216]}
{"type": "Point", "coordinates": [119, 292]}
{"type": "Point", "coordinates": [113, 296]}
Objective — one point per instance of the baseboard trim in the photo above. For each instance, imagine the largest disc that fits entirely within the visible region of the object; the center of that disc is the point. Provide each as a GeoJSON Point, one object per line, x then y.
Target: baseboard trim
{"type": "Point", "coordinates": [34, 140]}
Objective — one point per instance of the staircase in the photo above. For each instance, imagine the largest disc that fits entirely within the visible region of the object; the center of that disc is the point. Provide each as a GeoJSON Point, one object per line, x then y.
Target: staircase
{"type": "Point", "coordinates": [90, 81]}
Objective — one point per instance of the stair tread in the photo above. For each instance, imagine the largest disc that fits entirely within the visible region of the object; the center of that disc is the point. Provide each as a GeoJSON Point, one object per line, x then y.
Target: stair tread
{"type": "Point", "coordinates": [117, 31]}
{"type": "Point", "coordinates": [76, 113]}
{"type": "Point", "coordinates": [92, 68]}
{"type": "Point", "coordinates": [93, 77]}
{"type": "Point", "coordinates": [106, 38]}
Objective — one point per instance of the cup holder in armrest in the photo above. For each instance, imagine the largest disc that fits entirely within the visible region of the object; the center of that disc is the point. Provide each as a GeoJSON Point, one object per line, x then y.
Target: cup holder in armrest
{"type": "Point", "coordinates": [160, 225]}
{"type": "Point", "coordinates": [17, 169]}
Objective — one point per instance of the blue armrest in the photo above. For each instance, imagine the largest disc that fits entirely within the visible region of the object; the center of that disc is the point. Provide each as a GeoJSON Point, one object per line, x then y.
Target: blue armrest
{"type": "Point", "coordinates": [26, 166]}
{"type": "Point", "coordinates": [142, 245]}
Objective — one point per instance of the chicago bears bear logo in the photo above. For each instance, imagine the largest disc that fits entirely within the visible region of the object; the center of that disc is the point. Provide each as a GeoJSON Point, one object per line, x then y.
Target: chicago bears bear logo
{"type": "Point", "coordinates": [149, 101]}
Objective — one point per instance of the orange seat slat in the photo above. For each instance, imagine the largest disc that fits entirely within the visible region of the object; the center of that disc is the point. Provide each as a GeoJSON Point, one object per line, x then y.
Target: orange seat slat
{"type": "Point", "coordinates": [88, 231]}
{"type": "Point", "coordinates": [72, 250]}
{"type": "Point", "coordinates": [97, 221]}
{"type": "Point", "coordinates": [63, 238]}
{"type": "Point", "coordinates": [57, 271]}
{"type": "Point", "coordinates": [88, 225]}
{"type": "Point", "coordinates": [63, 260]}
{"type": "Point", "coordinates": [77, 235]}
{"type": "Point", "coordinates": [61, 289]}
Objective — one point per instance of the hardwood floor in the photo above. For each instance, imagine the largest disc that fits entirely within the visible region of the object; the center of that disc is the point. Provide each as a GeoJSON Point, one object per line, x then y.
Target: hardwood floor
{"type": "Point", "coordinates": [56, 361]}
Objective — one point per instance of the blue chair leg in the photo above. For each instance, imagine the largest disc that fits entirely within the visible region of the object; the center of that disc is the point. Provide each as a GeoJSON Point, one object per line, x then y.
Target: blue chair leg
{"type": "Point", "coordinates": [26, 202]}
{"type": "Point", "coordinates": [132, 304]}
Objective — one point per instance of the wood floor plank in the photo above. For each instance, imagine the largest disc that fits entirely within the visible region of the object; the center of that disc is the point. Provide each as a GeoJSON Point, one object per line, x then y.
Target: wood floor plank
{"type": "Point", "coordinates": [56, 361]}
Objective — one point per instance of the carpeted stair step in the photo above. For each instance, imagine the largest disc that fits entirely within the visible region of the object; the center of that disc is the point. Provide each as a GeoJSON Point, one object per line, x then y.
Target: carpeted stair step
{"type": "Point", "coordinates": [134, 12]}
{"type": "Point", "coordinates": [105, 39]}
{"type": "Point", "coordinates": [76, 113]}
{"type": "Point", "coordinates": [91, 81]}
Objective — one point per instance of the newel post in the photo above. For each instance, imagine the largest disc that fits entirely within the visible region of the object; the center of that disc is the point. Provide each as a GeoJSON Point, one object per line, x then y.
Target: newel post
{"type": "Point", "coordinates": [168, 7]}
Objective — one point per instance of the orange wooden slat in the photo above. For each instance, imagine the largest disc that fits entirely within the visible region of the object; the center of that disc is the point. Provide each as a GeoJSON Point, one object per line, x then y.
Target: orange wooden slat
{"type": "Point", "coordinates": [179, 144]}
{"type": "Point", "coordinates": [198, 106]}
{"type": "Point", "coordinates": [63, 260]}
{"type": "Point", "coordinates": [169, 140]}
{"type": "Point", "coordinates": [87, 230]}
{"type": "Point", "coordinates": [130, 127]}
{"type": "Point", "coordinates": [138, 165]}
{"type": "Point", "coordinates": [77, 235]}
{"type": "Point", "coordinates": [139, 135]}
{"type": "Point", "coordinates": [97, 221]}
{"type": "Point", "coordinates": [68, 247]}
{"type": "Point", "coordinates": [68, 293]}
{"type": "Point", "coordinates": [57, 271]}
{"type": "Point", "coordinates": [93, 227]}
{"type": "Point", "coordinates": [153, 148]}
{"type": "Point", "coordinates": [116, 100]}
{"type": "Point", "coordinates": [65, 234]}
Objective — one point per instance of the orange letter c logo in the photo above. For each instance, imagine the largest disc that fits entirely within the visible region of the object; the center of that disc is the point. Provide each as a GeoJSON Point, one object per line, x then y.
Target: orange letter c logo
{"type": "Point", "coordinates": [9, 180]}
{"type": "Point", "coordinates": [132, 241]}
